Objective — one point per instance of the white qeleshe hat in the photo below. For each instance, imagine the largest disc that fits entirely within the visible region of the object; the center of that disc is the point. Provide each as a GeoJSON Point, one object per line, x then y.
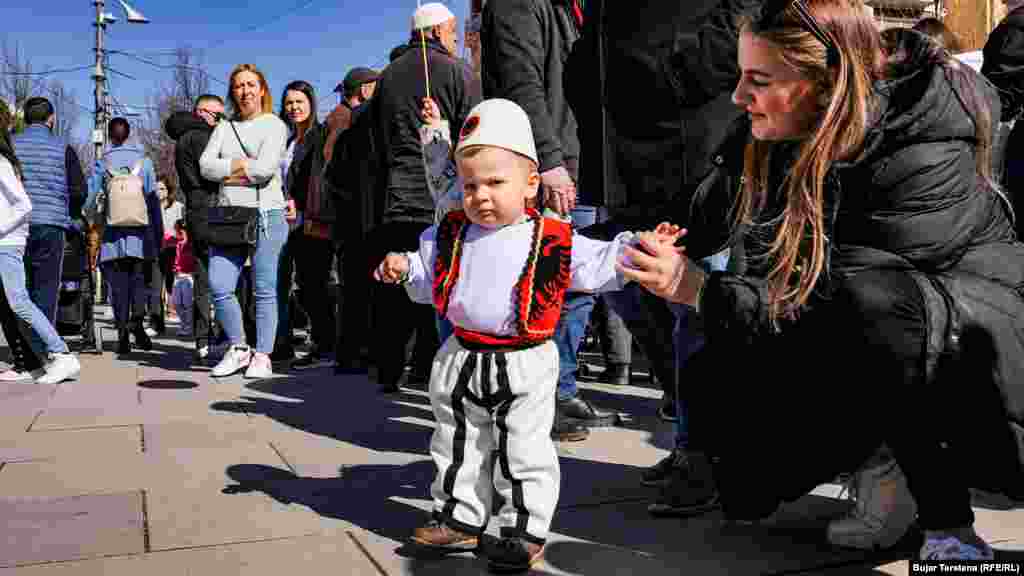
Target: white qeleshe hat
{"type": "Point", "coordinates": [430, 15]}
{"type": "Point", "coordinates": [500, 123]}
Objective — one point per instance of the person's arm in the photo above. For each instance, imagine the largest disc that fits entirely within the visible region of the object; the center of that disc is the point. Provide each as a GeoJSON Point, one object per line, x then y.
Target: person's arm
{"type": "Point", "coordinates": [594, 264]}
{"type": "Point", "coordinates": [267, 163]}
{"type": "Point", "coordinates": [420, 282]}
{"type": "Point", "coordinates": [95, 186]}
{"type": "Point", "coordinates": [156, 214]}
{"type": "Point", "coordinates": [211, 165]}
{"type": "Point", "coordinates": [514, 67]}
{"type": "Point", "coordinates": [78, 190]}
{"type": "Point", "coordinates": [14, 192]}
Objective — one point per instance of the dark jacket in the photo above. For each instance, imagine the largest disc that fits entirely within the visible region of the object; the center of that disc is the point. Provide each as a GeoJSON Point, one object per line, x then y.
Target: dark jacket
{"type": "Point", "coordinates": [396, 120]}
{"type": "Point", "coordinates": [1003, 62]}
{"type": "Point", "coordinates": [651, 85]}
{"type": "Point", "coordinates": [911, 201]}
{"type": "Point", "coordinates": [355, 174]}
{"type": "Point", "coordinates": [525, 44]}
{"type": "Point", "coordinates": [191, 134]}
{"type": "Point", "coordinates": [52, 175]}
{"type": "Point", "coordinates": [310, 166]}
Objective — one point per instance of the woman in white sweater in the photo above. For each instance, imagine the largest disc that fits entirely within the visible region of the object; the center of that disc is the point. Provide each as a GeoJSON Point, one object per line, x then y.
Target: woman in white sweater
{"type": "Point", "coordinates": [252, 180]}
{"type": "Point", "coordinates": [15, 207]}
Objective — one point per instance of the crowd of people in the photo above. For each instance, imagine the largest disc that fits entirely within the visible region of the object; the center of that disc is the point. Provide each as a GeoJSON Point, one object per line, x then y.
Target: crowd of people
{"type": "Point", "coordinates": [767, 197]}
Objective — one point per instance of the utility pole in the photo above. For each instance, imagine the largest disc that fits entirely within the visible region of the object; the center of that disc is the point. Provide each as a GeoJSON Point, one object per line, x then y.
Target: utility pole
{"type": "Point", "coordinates": [99, 132]}
{"type": "Point", "coordinates": [102, 105]}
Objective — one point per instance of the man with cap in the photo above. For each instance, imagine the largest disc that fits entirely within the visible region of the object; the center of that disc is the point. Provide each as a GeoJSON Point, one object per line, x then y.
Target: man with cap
{"type": "Point", "coordinates": [498, 270]}
{"type": "Point", "coordinates": [356, 89]}
{"type": "Point", "coordinates": [356, 92]}
{"type": "Point", "coordinates": [402, 181]}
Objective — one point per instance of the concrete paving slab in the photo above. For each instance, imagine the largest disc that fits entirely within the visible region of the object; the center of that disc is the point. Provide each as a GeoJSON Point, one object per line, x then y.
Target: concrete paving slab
{"type": "Point", "coordinates": [307, 555]}
{"type": "Point", "coordinates": [93, 417]}
{"type": "Point", "coordinates": [221, 432]}
{"type": "Point", "coordinates": [74, 475]}
{"type": "Point", "coordinates": [101, 442]}
{"type": "Point", "coordinates": [310, 455]}
{"type": "Point", "coordinates": [40, 530]}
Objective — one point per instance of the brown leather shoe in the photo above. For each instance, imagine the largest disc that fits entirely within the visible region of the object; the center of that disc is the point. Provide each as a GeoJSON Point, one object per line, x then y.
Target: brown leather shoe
{"type": "Point", "coordinates": [437, 535]}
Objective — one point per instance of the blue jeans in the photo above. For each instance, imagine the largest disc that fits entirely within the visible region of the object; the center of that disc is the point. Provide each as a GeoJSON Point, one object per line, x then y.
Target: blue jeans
{"type": "Point", "coordinates": [225, 266]}
{"type": "Point", "coordinates": [12, 270]}
{"type": "Point", "coordinates": [572, 324]}
{"type": "Point", "coordinates": [689, 339]}
{"type": "Point", "coordinates": [444, 328]}
{"type": "Point", "coordinates": [44, 260]}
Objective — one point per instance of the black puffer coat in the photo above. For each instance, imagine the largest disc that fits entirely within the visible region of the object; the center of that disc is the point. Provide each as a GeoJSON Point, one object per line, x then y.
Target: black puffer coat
{"type": "Point", "coordinates": [912, 201]}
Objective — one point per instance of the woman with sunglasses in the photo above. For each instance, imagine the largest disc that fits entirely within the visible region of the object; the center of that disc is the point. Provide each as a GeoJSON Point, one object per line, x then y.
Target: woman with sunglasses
{"type": "Point", "coordinates": [880, 301]}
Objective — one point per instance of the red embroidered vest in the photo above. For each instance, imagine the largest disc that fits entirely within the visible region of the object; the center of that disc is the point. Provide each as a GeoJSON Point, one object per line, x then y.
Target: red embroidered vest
{"type": "Point", "coordinates": [538, 293]}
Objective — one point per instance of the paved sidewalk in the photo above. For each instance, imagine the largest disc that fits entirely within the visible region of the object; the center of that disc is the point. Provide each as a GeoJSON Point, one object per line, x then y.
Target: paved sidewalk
{"type": "Point", "coordinates": [146, 466]}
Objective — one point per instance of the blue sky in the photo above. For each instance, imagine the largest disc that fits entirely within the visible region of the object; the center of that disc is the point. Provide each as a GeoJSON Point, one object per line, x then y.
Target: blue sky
{"type": "Point", "coordinates": [312, 40]}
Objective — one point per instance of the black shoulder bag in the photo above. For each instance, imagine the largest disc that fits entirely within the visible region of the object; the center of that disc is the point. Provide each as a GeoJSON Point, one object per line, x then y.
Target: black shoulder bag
{"type": "Point", "coordinates": [234, 226]}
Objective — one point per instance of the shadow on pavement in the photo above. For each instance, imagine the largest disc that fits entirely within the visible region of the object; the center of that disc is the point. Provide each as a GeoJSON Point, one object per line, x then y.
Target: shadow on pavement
{"type": "Point", "coordinates": [346, 409]}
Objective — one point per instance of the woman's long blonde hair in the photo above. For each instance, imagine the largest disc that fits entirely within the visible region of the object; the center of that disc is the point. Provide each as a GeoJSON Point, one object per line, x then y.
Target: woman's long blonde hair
{"type": "Point", "coordinates": [798, 252]}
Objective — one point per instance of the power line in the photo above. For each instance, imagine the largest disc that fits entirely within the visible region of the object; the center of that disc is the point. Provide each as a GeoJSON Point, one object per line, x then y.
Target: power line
{"type": "Point", "coordinates": [167, 66]}
{"type": "Point", "coordinates": [48, 72]}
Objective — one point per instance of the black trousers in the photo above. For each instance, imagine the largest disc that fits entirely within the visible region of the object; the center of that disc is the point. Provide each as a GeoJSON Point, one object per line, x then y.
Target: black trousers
{"type": "Point", "coordinates": [796, 409]}
{"type": "Point", "coordinates": [126, 277]}
{"type": "Point", "coordinates": [201, 292]}
{"type": "Point", "coordinates": [355, 305]}
{"type": "Point", "coordinates": [314, 258]}
{"type": "Point", "coordinates": [396, 318]}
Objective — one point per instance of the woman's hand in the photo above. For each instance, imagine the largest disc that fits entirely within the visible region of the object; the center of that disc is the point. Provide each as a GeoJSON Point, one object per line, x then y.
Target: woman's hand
{"type": "Point", "coordinates": [662, 268]}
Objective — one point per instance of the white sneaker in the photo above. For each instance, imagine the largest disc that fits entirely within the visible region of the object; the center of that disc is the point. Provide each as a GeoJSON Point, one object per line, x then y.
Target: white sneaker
{"type": "Point", "coordinates": [61, 367]}
{"type": "Point", "coordinates": [884, 511]}
{"type": "Point", "coordinates": [13, 376]}
{"type": "Point", "coordinates": [151, 332]}
{"type": "Point", "coordinates": [259, 367]}
{"type": "Point", "coordinates": [236, 358]}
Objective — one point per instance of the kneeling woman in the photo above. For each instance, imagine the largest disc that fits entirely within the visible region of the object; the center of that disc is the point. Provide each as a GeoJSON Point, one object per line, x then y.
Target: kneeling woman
{"type": "Point", "coordinates": [880, 304]}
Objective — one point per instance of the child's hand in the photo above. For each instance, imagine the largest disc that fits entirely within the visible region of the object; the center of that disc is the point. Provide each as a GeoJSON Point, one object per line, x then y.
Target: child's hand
{"type": "Point", "coordinates": [664, 235]}
{"type": "Point", "coordinates": [668, 233]}
{"type": "Point", "coordinates": [431, 113]}
{"type": "Point", "coordinates": [393, 269]}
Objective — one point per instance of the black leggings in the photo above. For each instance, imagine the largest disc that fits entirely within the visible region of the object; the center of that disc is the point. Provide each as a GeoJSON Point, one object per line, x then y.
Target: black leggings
{"type": "Point", "coordinates": [793, 411]}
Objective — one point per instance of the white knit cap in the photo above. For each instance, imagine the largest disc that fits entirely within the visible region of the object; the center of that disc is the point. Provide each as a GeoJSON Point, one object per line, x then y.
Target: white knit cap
{"type": "Point", "coordinates": [500, 123]}
{"type": "Point", "coordinates": [431, 14]}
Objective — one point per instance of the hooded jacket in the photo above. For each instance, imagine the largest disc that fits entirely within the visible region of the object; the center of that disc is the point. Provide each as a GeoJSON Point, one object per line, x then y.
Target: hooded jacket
{"type": "Point", "coordinates": [191, 134]}
{"type": "Point", "coordinates": [911, 201]}
{"type": "Point", "coordinates": [650, 84]}
{"type": "Point", "coordinates": [1003, 62]}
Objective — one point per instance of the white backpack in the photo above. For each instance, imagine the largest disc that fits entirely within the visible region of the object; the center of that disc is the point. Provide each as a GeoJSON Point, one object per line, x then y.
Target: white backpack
{"type": "Point", "coordinates": [124, 201]}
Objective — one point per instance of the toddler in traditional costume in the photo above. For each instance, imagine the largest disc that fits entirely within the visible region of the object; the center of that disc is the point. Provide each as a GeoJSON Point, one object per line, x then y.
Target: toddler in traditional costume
{"type": "Point", "coordinates": [499, 272]}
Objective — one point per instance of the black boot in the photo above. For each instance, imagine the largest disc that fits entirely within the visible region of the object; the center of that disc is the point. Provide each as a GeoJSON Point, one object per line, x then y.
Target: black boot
{"type": "Point", "coordinates": [124, 343]}
{"type": "Point", "coordinates": [565, 430]}
{"type": "Point", "coordinates": [142, 341]}
{"type": "Point", "coordinates": [614, 374]}
{"type": "Point", "coordinates": [579, 410]}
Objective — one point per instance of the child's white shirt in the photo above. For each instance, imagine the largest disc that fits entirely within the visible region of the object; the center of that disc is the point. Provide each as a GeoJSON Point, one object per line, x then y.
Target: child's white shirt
{"type": "Point", "coordinates": [491, 264]}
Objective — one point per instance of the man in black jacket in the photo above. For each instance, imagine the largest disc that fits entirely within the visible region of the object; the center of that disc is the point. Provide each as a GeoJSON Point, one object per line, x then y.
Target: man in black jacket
{"type": "Point", "coordinates": [402, 182]}
{"type": "Point", "coordinates": [525, 44]}
{"type": "Point", "coordinates": [651, 87]}
{"type": "Point", "coordinates": [191, 132]}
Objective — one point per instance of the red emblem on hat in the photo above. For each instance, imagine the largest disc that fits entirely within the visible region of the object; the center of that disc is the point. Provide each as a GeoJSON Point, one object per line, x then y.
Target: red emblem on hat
{"type": "Point", "coordinates": [472, 123]}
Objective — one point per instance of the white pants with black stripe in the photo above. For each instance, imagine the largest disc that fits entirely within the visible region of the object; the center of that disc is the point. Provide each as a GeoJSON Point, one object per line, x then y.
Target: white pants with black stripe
{"type": "Point", "coordinates": [499, 402]}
